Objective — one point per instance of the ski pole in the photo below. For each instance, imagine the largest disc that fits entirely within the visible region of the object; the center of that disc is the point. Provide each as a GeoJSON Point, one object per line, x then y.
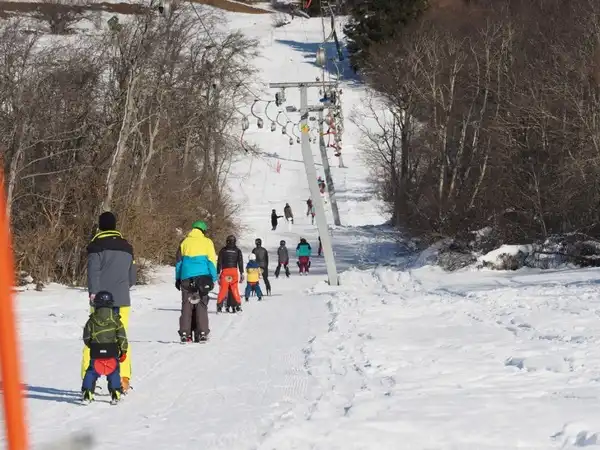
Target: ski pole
{"type": "Point", "coordinates": [14, 409]}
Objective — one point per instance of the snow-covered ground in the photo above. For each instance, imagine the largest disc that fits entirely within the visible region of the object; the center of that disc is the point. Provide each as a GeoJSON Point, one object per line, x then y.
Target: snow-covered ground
{"type": "Point", "coordinates": [392, 359]}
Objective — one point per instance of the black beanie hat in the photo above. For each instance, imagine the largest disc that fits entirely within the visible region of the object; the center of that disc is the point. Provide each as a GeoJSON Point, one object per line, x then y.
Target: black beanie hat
{"type": "Point", "coordinates": [107, 221]}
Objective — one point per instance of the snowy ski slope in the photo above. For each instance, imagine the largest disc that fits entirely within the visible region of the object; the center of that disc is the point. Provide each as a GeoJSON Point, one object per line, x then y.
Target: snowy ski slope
{"type": "Point", "coordinates": [415, 359]}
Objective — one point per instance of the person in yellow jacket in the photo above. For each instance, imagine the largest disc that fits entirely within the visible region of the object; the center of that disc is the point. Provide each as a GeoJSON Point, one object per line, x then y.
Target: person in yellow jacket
{"type": "Point", "coordinates": [111, 268]}
{"type": "Point", "coordinates": [253, 275]}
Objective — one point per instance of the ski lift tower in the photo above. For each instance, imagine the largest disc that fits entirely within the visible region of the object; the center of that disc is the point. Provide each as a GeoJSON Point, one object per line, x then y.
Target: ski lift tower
{"type": "Point", "coordinates": [311, 171]}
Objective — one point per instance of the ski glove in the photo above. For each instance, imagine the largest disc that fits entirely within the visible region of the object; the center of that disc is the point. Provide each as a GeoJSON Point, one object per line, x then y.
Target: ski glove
{"type": "Point", "coordinates": [92, 296]}
{"type": "Point", "coordinates": [178, 285]}
{"type": "Point", "coordinates": [241, 278]}
{"type": "Point", "coordinates": [123, 357]}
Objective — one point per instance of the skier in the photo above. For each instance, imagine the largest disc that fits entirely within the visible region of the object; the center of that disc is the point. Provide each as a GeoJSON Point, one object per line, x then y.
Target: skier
{"type": "Point", "coordinates": [230, 267]}
{"type": "Point", "coordinates": [303, 252]}
{"type": "Point", "coordinates": [262, 259]}
{"type": "Point", "coordinates": [253, 273]}
{"type": "Point", "coordinates": [111, 267]}
{"type": "Point", "coordinates": [106, 338]}
{"type": "Point", "coordinates": [320, 250]}
{"type": "Point", "coordinates": [283, 259]}
{"type": "Point", "coordinates": [322, 185]}
{"type": "Point", "coordinates": [195, 275]}
{"type": "Point", "coordinates": [289, 216]}
{"type": "Point", "coordinates": [309, 205]}
{"type": "Point", "coordinates": [312, 215]}
{"type": "Point", "coordinates": [274, 218]}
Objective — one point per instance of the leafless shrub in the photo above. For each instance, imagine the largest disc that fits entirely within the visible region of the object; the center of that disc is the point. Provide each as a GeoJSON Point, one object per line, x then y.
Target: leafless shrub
{"type": "Point", "coordinates": [61, 15]}
{"type": "Point", "coordinates": [138, 121]}
{"type": "Point", "coordinates": [280, 20]}
{"type": "Point", "coordinates": [499, 114]}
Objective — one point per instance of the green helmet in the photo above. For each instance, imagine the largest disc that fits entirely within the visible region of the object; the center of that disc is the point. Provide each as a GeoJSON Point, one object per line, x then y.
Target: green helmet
{"type": "Point", "coordinates": [200, 224]}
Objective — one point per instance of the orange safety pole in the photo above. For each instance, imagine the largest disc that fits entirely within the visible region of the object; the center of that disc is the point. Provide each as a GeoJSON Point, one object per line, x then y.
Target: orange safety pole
{"type": "Point", "coordinates": [14, 408]}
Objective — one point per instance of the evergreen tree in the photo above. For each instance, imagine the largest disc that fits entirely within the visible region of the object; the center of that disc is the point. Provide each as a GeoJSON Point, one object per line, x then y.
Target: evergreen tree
{"type": "Point", "coordinates": [374, 21]}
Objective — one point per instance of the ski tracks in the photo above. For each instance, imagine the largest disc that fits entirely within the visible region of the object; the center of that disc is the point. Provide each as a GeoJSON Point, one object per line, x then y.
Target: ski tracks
{"type": "Point", "coordinates": [226, 394]}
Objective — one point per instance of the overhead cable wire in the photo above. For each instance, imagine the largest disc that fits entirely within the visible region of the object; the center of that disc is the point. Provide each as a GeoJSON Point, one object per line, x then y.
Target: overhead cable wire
{"type": "Point", "coordinates": [214, 42]}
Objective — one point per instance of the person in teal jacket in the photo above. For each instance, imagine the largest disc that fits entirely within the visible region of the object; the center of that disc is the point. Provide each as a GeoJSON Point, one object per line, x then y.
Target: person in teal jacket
{"type": "Point", "coordinates": [303, 252]}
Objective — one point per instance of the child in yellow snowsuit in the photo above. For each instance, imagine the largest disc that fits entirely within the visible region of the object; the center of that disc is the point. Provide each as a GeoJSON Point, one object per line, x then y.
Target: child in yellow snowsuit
{"type": "Point", "coordinates": [253, 274]}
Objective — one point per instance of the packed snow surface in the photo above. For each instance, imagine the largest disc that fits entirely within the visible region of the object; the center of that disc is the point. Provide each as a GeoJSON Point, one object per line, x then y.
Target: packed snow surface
{"type": "Point", "coordinates": [394, 358]}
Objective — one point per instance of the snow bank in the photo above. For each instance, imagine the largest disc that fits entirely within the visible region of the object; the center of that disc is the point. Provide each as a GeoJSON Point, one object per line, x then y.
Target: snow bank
{"type": "Point", "coordinates": [507, 257]}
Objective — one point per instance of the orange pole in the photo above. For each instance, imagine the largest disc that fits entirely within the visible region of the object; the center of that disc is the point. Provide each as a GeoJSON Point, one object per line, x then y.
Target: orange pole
{"type": "Point", "coordinates": [14, 408]}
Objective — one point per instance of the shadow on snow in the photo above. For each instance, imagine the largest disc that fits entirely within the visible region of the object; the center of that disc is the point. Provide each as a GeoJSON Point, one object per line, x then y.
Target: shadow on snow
{"type": "Point", "coordinates": [310, 53]}
{"type": "Point", "coordinates": [52, 394]}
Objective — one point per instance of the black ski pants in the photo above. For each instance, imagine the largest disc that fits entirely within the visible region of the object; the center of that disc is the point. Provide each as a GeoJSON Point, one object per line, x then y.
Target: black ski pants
{"type": "Point", "coordinates": [191, 314]}
{"type": "Point", "coordinates": [265, 276]}
{"type": "Point", "coordinates": [278, 269]}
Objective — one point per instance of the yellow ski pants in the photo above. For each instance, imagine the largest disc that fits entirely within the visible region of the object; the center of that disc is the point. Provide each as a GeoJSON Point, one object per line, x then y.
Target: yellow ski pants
{"type": "Point", "coordinates": [125, 366]}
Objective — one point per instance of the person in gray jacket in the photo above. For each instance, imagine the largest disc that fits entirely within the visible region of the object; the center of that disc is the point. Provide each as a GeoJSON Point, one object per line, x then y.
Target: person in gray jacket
{"type": "Point", "coordinates": [111, 267]}
{"type": "Point", "coordinates": [283, 259]}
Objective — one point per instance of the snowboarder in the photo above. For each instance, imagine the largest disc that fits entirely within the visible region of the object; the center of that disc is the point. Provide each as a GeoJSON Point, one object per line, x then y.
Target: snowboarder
{"type": "Point", "coordinates": [309, 205]}
{"type": "Point", "coordinates": [253, 274]}
{"type": "Point", "coordinates": [105, 336]}
{"type": "Point", "coordinates": [303, 252]}
{"type": "Point", "coordinates": [195, 277]}
{"type": "Point", "coordinates": [283, 259]}
{"type": "Point", "coordinates": [320, 250]}
{"type": "Point", "coordinates": [111, 267]}
{"type": "Point", "coordinates": [274, 217]}
{"type": "Point", "coordinates": [230, 267]}
{"type": "Point", "coordinates": [262, 259]}
{"type": "Point", "coordinates": [289, 216]}
{"type": "Point", "coordinates": [312, 215]}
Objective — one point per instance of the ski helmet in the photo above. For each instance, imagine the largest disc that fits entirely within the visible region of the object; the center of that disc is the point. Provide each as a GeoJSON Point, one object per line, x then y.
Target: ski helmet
{"type": "Point", "coordinates": [200, 225]}
{"type": "Point", "coordinates": [104, 299]}
{"type": "Point", "coordinates": [251, 257]}
{"type": "Point", "coordinates": [282, 243]}
{"type": "Point", "coordinates": [258, 242]}
{"type": "Point", "coordinates": [230, 240]}
{"type": "Point", "coordinates": [303, 240]}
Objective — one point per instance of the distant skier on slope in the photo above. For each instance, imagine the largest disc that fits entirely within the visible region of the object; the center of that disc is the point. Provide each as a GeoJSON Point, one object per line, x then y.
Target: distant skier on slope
{"type": "Point", "coordinates": [289, 216]}
{"type": "Point", "coordinates": [253, 274]}
{"type": "Point", "coordinates": [274, 217]}
{"type": "Point", "coordinates": [303, 252]}
{"type": "Point", "coordinates": [313, 212]}
{"type": "Point", "coordinates": [320, 250]}
{"type": "Point", "coordinates": [283, 259]}
{"type": "Point", "coordinates": [262, 259]}
{"type": "Point", "coordinates": [230, 267]}
{"type": "Point", "coordinates": [322, 185]}
{"type": "Point", "coordinates": [105, 336]}
{"type": "Point", "coordinates": [309, 206]}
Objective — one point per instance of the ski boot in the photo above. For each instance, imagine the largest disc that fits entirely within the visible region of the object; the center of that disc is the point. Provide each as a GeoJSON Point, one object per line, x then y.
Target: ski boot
{"type": "Point", "coordinates": [87, 397]}
{"type": "Point", "coordinates": [247, 299]}
{"type": "Point", "coordinates": [238, 308]}
{"type": "Point", "coordinates": [115, 396]}
{"type": "Point", "coordinates": [287, 272]}
{"type": "Point", "coordinates": [203, 337]}
{"type": "Point", "coordinates": [219, 308]}
{"type": "Point", "coordinates": [185, 338]}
